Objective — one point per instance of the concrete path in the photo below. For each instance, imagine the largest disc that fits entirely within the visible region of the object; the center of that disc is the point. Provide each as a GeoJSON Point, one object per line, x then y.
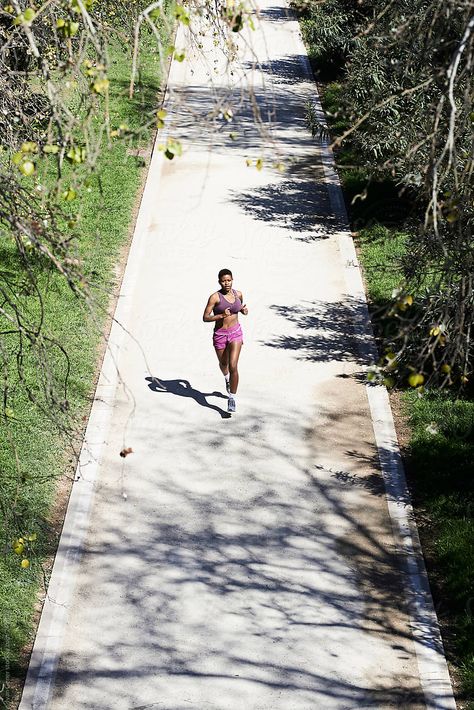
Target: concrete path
{"type": "Point", "coordinates": [244, 563]}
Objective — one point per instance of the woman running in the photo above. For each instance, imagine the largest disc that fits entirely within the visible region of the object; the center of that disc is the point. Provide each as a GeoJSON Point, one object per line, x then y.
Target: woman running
{"type": "Point", "coordinates": [223, 308]}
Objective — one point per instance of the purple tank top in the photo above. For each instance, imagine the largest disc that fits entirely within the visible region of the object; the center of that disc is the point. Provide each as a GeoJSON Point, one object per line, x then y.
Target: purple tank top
{"type": "Point", "coordinates": [223, 304]}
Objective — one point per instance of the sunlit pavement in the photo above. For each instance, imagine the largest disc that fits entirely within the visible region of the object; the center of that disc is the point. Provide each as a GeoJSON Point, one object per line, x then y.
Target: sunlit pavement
{"type": "Point", "coordinates": [243, 563]}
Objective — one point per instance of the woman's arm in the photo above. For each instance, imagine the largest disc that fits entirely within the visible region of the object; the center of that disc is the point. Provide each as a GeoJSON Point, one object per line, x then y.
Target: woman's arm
{"type": "Point", "coordinates": [207, 317]}
{"type": "Point", "coordinates": [244, 310]}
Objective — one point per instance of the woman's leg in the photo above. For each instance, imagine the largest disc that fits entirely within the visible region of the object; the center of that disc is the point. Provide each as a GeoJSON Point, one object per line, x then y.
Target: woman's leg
{"type": "Point", "coordinates": [234, 352]}
{"type": "Point", "coordinates": [223, 357]}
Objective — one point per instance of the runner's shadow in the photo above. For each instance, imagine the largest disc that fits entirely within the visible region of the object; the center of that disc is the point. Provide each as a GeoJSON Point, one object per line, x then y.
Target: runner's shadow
{"type": "Point", "coordinates": [183, 388]}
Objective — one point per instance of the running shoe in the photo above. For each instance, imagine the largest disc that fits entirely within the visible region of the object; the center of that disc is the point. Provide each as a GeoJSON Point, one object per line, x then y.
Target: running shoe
{"type": "Point", "coordinates": [231, 404]}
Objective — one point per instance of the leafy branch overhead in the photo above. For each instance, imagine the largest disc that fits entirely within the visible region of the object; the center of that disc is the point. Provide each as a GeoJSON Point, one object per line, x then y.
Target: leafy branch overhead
{"type": "Point", "coordinates": [55, 123]}
{"type": "Point", "coordinates": [406, 115]}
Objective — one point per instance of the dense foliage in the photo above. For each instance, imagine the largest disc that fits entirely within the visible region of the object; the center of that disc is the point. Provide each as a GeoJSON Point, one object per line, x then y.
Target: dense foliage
{"type": "Point", "coordinates": [407, 115]}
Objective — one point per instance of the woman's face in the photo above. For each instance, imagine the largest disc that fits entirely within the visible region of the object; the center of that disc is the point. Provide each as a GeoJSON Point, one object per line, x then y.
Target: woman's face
{"type": "Point", "coordinates": [226, 282]}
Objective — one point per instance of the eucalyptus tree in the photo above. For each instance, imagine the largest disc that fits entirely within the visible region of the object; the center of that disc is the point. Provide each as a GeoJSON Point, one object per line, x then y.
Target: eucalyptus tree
{"type": "Point", "coordinates": [411, 92]}
{"type": "Point", "coordinates": [407, 110]}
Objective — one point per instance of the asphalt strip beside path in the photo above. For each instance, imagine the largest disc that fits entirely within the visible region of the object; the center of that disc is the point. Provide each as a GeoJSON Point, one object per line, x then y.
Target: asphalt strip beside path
{"type": "Point", "coordinates": [256, 562]}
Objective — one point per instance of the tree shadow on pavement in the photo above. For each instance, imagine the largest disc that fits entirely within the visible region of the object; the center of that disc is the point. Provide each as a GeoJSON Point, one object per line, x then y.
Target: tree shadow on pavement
{"type": "Point", "coordinates": [297, 201]}
{"type": "Point", "coordinates": [284, 70]}
{"type": "Point", "coordinates": [183, 388]}
{"type": "Point", "coordinates": [198, 118]}
{"type": "Point", "coordinates": [325, 332]}
{"type": "Point", "coordinates": [247, 586]}
{"type": "Point", "coordinates": [277, 14]}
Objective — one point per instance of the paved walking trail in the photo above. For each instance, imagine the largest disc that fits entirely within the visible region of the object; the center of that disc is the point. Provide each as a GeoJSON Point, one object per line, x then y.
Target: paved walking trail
{"type": "Point", "coordinates": [244, 563]}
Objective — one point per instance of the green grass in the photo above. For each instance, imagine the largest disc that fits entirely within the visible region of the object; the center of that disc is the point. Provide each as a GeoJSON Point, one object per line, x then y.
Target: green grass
{"type": "Point", "coordinates": [43, 454]}
{"type": "Point", "coordinates": [441, 464]}
{"type": "Point", "coordinates": [381, 250]}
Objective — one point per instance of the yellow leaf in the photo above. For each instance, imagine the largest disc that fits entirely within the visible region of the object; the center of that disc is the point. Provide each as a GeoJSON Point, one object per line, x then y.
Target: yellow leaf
{"type": "Point", "coordinates": [27, 168]}
{"type": "Point", "coordinates": [435, 331]}
{"type": "Point", "coordinates": [32, 537]}
{"type": "Point", "coordinates": [160, 118]}
{"type": "Point", "coordinates": [446, 368]}
{"type": "Point", "coordinates": [25, 564]}
{"type": "Point", "coordinates": [69, 194]}
{"type": "Point", "coordinates": [100, 86]}
{"type": "Point", "coordinates": [416, 379]}
{"type": "Point", "coordinates": [29, 147]}
{"type": "Point", "coordinates": [29, 14]}
{"type": "Point", "coordinates": [259, 164]}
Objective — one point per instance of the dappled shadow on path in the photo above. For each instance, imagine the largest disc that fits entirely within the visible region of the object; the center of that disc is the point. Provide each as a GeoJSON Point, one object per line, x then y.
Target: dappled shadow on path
{"type": "Point", "coordinates": [276, 14]}
{"type": "Point", "coordinates": [198, 118]}
{"type": "Point", "coordinates": [298, 201]}
{"type": "Point", "coordinates": [283, 71]}
{"type": "Point", "coordinates": [295, 199]}
{"type": "Point", "coordinates": [277, 582]}
{"type": "Point", "coordinates": [325, 332]}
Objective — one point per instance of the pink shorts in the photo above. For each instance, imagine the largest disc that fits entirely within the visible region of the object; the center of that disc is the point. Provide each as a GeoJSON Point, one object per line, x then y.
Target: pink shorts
{"type": "Point", "coordinates": [223, 336]}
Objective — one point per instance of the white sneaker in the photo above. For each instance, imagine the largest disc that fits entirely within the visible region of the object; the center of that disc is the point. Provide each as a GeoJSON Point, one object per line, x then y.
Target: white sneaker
{"type": "Point", "coordinates": [231, 404]}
